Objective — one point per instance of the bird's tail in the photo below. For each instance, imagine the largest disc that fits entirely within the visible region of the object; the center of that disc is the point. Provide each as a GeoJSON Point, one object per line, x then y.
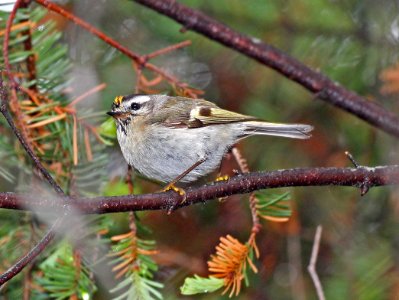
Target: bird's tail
{"type": "Point", "coordinates": [295, 131]}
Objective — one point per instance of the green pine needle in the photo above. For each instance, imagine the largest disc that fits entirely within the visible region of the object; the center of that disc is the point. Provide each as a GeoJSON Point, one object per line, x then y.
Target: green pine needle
{"type": "Point", "coordinates": [273, 205]}
{"type": "Point", "coordinates": [200, 285]}
{"type": "Point", "coordinates": [139, 288]}
{"type": "Point", "coordinates": [61, 278]}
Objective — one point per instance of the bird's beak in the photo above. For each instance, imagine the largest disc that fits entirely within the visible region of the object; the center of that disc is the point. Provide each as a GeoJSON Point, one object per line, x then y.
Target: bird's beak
{"type": "Point", "coordinates": [116, 114]}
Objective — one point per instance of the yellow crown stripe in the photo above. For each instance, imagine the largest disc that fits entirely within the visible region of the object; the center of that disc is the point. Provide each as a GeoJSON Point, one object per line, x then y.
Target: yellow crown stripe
{"type": "Point", "coordinates": [118, 100]}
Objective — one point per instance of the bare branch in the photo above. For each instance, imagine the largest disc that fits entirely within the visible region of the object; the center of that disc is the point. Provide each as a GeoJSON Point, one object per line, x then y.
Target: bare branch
{"type": "Point", "coordinates": [315, 82]}
{"type": "Point", "coordinates": [312, 264]}
{"type": "Point", "coordinates": [244, 183]}
{"type": "Point", "coordinates": [352, 159]}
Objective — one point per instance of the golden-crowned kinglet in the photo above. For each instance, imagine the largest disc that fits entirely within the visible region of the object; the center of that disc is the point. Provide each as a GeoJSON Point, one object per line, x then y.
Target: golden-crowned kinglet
{"type": "Point", "coordinates": [163, 137]}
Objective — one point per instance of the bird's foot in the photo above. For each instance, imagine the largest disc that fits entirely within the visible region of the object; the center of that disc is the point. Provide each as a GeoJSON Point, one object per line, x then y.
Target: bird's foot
{"type": "Point", "coordinates": [180, 191]}
{"type": "Point", "coordinates": [222, 178]}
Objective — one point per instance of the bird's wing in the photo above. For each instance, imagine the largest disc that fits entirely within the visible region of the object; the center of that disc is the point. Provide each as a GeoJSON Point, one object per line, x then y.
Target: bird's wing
{"type": "Point", "coordinates": [175, 113]}
{"type": "Point", "coordinates": [180, 112]}
{"type": "Point", "coordinates": [206, 115]}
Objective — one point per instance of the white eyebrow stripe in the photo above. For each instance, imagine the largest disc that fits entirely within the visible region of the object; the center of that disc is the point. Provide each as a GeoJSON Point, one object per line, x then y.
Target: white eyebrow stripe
{"type": "Point", "coordinates": [140, 99]}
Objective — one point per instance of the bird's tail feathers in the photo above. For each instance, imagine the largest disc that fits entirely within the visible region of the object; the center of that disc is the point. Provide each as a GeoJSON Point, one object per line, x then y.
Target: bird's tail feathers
{"type": "Point", "coordinates": [295, 131]}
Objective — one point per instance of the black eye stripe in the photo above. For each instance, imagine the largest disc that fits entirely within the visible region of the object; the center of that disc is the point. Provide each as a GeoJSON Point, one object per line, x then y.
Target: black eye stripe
{"type": "Point", "coordinates": [135, 106]}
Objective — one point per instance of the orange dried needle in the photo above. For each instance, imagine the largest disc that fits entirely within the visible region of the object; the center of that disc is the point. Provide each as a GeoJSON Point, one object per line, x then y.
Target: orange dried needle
{"type": "Point", "coordinates": [121, 236]}
{"type": "Point", "coordinates": [75, 140]}
{"type": "Point", "coordinates": [88, 93]}
{"type": "Point", "coordinates": [122, 272]}
{"type": "Point", "coordinates": [47, 121]}
{"type": "Point", "coordinates": [89, 154]}
{"type": "Point", "coordinates": [32, 95]}
{"type": "Point", "coordinates": [17, 26]}
{"type": "Point", "coordinates": [151, 82]}
{"type": "Point", "coordinates": [94, 132]}
{"type": "Point", "coordinates": [252, 243]}
{"type": "Point", "coordinates": [124, 263]}
{"type": "Point", "coordinates": [275, 219]}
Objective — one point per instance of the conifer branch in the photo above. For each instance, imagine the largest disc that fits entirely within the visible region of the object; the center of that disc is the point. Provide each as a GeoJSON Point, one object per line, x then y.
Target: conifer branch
{"type": "Point", "coordinates": [17, 267]}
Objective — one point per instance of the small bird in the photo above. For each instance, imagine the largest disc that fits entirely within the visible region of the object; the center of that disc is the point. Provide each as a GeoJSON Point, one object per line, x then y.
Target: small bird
{"type": "Point", "coordinates": [177, 139]}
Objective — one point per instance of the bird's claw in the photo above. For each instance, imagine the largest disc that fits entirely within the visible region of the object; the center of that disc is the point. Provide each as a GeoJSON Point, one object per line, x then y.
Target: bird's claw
{"type": "Point", "coordinates": [222, 178]}
{"type": "Point", "coordinates": [180, 191]}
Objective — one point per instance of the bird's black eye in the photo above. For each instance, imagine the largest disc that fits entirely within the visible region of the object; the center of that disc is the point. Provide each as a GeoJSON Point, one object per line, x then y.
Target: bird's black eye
{"type": "Point", "coordinates": [135, 106]}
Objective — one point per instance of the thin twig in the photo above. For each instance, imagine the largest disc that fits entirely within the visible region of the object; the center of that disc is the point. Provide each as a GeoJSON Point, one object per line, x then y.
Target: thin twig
{"type": "Point", "coordinates": [312, 80]}
{"type": "Point", "coordinates": [352, 159]}
{"type": "Point", "coordinates": [242, 163]}
{"type": "Point", "coordinates": [139, 74]}
{"type": "Point", "coordinates": [31, 255]}
{"type": "Point", "coordinates": [312, 264]}
{"type": "Point", "coordinates": [87, 93]}
{"type": "Point", "coordinates": [134, 56]}
{"type": "Point", "coordinates": [167, 49]}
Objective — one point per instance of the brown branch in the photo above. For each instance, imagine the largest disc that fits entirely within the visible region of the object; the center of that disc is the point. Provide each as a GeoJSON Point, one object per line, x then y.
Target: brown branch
{"type": "Point", "coordinates": [31, 255]}
{"type": "Point", "coordinates": [167, 49]}
{"type": "Point", "coordinates": [244, 183]}
{"type": "Point", "coordinates": [315, 82]}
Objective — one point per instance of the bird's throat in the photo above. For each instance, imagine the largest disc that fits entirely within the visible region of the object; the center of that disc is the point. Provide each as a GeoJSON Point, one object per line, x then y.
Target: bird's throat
{"type": "Point", "coordinates": [122, 125]}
